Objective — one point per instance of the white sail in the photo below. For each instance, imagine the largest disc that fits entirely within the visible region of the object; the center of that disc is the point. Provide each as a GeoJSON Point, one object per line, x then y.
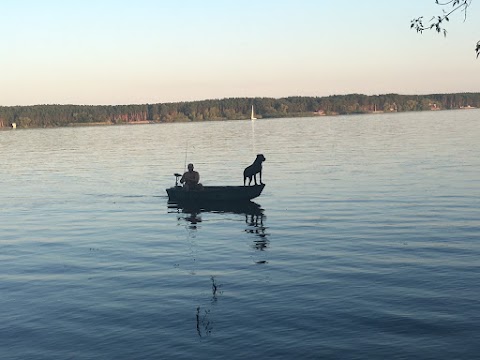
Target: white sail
{"type": "Point", "coordinates": [252, 115]}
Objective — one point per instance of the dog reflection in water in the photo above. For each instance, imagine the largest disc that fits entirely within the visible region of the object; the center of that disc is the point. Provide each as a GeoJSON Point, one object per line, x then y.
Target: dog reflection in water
{"type": "Point", "coordinates": [256, 227]}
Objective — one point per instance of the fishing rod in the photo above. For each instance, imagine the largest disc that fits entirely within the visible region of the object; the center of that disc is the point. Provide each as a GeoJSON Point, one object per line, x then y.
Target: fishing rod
{"type": "Point", "coordinates": [177, 175]}
{"type": "Point", "coordinates": [186, 152]}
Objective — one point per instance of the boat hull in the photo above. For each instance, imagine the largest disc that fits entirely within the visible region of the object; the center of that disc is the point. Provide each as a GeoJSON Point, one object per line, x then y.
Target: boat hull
{"type": "Point", "coordinates": [215, 193]}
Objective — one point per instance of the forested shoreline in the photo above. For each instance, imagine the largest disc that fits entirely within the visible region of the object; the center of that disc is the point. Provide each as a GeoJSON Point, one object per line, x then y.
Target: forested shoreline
{"type": "Point", "coordinates": [228, 109]}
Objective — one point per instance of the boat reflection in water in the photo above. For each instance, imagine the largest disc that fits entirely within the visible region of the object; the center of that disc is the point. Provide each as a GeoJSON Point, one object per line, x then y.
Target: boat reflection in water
{"type": "Point", "coordinates": [191, 213]}
{"type": "Point", "coordinates": [243, 207]}
{"type": "Point", "coordinates": [253, 212]}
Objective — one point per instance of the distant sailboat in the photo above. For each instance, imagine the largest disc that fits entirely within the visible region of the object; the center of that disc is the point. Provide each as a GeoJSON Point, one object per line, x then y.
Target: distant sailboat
{"type": "Point", "coordinates": [252, 115]}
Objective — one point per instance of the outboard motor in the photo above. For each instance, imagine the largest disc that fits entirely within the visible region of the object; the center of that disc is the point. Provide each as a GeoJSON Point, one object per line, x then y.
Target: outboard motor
{"type": "Point", "coordinates": [177, 175]}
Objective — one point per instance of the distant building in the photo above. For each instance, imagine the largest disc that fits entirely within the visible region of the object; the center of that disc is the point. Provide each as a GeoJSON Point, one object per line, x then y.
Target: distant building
{"type": "Point", "coordinates": [14, 125]}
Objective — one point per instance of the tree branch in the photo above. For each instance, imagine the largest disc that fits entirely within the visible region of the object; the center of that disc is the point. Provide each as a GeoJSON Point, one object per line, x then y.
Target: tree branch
{"type": "Point", "coordinates": [437, 22]}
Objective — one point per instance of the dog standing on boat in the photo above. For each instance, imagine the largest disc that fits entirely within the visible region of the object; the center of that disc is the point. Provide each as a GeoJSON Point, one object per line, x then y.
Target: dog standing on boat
{"type": "Point", "coordinates": [254, 169]}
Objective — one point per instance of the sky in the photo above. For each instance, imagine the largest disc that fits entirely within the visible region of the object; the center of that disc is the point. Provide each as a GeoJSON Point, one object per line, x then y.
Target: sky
{"type": "Point", "coordinates": [112, 52]}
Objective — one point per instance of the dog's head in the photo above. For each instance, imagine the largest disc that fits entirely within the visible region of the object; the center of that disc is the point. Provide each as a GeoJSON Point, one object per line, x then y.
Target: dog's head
{"type": "Point", "coordinates": [260, 158]}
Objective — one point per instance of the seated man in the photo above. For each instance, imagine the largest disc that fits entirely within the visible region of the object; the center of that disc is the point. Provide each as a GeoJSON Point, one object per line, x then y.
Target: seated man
{"type": "Point", "coordinates": [191, 179]}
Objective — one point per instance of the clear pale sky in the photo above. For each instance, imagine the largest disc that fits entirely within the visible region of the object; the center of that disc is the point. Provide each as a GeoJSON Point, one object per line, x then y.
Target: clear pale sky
{"type": "Point", "coordinates": [152, 51]}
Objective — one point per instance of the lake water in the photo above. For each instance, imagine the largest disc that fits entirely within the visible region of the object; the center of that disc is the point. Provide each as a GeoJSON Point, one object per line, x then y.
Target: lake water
{"type": "Point", "coordinates": [366, 244]}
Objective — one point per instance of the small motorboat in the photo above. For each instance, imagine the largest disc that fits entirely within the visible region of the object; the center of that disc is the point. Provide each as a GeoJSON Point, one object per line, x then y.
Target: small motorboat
{"type": "Point", "coordinates": [178, 193]}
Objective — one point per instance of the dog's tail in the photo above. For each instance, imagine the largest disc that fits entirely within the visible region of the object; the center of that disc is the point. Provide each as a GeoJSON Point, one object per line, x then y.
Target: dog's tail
{"type": "Point", "coordinates": [245, 177]}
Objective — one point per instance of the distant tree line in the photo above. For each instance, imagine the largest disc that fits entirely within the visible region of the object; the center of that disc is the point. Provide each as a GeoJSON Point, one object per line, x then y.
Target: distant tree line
{"type": "Point", "coordinates": [229, 109]}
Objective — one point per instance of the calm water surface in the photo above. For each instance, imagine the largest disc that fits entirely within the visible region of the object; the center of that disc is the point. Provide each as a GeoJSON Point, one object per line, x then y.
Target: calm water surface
{"type": "Point", "coordinates": [364, 245]}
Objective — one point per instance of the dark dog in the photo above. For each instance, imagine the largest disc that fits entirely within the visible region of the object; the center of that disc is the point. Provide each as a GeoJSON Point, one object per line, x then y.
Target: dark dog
{"type": "Point", "coordinates": [254, 169]}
